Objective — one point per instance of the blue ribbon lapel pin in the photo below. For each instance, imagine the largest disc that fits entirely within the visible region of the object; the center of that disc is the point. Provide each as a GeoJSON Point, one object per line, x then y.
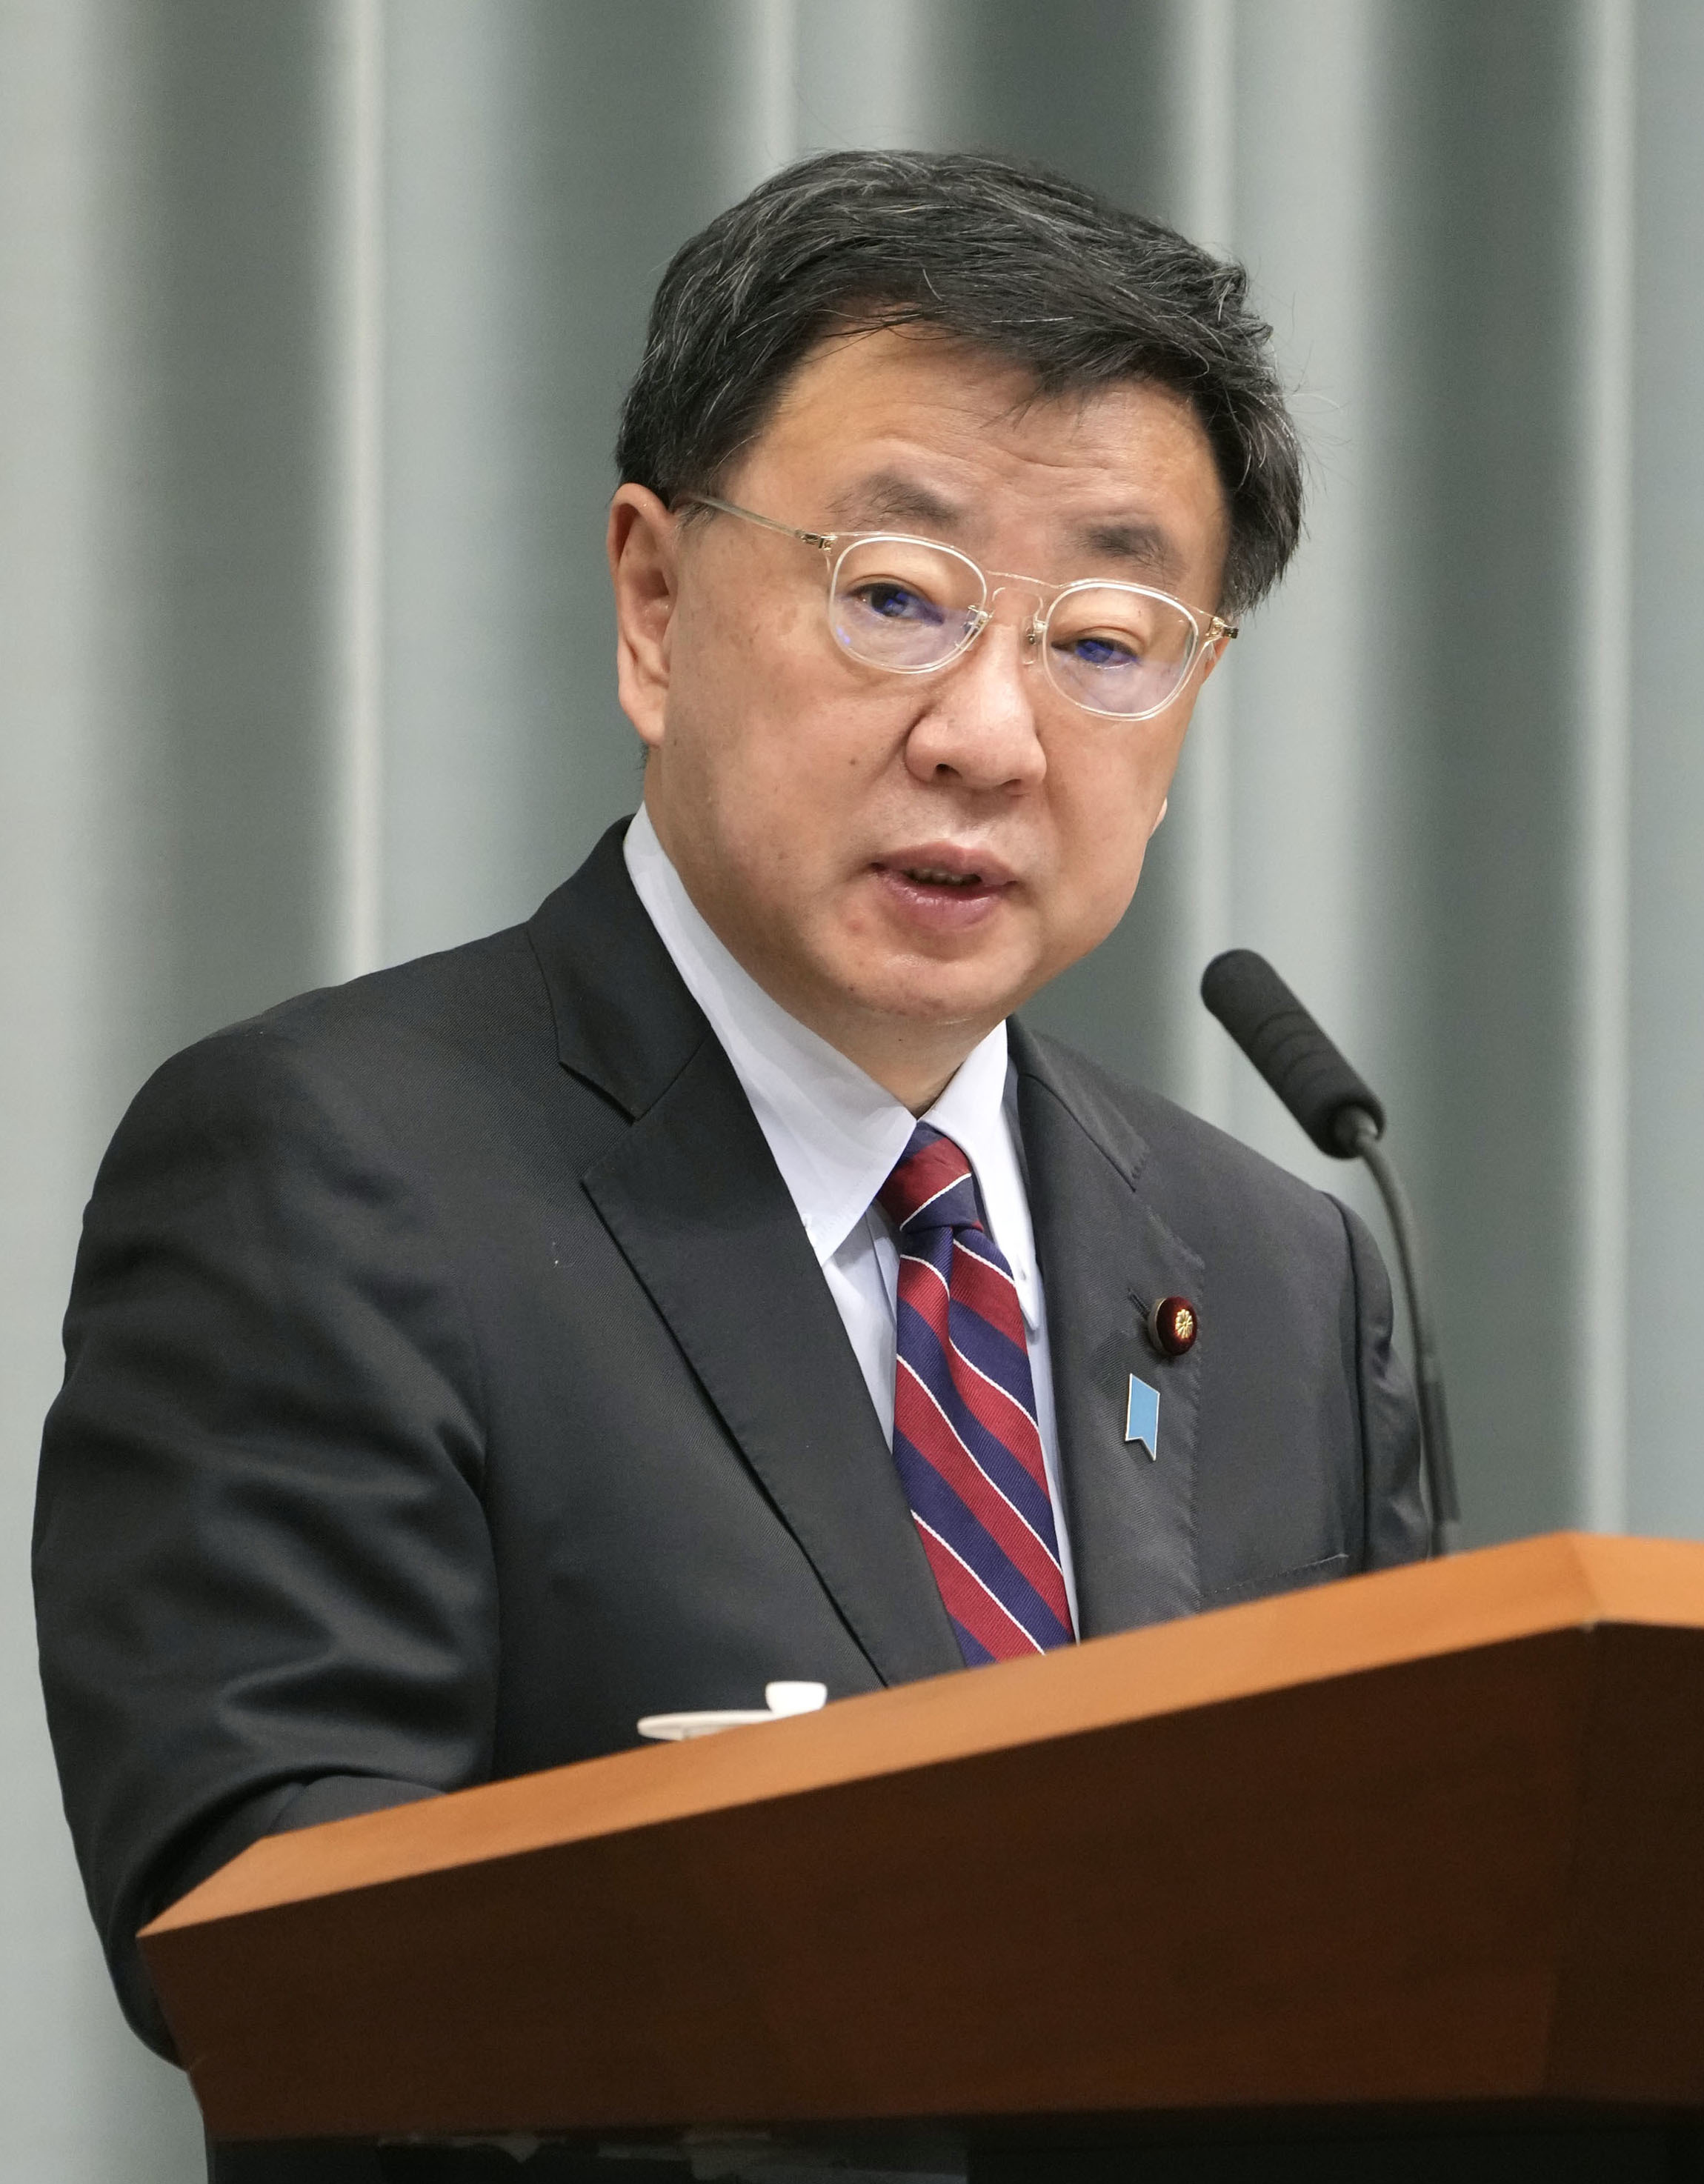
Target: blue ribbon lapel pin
{"type": "Point", "coordinates": [1142, 1417]}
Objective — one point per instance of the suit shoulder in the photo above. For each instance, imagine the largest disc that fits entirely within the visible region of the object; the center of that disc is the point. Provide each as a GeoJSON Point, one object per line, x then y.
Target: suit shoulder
{"type": "Point", "coordinates": [474, 994]}
{"type": "Point", "coordinates": [1210, 1178]}
{"type": "Point", "coordinates": [473, 999]}
{"type": "Point", "coordinates": [447, 1028]}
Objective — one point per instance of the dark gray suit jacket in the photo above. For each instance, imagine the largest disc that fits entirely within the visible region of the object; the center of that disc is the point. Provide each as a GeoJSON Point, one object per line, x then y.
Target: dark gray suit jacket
{"type": "Point", "coordinates": [450, 1383]}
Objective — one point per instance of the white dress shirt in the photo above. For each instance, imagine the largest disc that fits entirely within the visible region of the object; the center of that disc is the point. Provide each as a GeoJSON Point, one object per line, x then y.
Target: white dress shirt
{"type": "Point", "coordinates": [836, 1135]}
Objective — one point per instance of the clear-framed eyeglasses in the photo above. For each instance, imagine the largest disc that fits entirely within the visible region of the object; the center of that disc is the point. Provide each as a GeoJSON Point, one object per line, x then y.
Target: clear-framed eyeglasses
{"type": "Point", "coordinates": [913, 606]}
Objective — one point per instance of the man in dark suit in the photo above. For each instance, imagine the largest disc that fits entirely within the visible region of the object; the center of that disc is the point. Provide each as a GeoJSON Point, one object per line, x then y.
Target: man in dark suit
{"type": "Point", "coordinates": [469, 1360]}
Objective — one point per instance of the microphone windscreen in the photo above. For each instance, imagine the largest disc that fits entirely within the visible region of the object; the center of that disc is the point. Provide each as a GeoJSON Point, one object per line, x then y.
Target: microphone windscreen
{"type": "Point", "coordinates": [1286, 1046]}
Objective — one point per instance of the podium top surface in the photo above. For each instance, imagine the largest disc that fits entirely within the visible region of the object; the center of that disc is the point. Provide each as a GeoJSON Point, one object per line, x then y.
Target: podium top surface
{"type": "Point", "coordinates": [1561, 1582]}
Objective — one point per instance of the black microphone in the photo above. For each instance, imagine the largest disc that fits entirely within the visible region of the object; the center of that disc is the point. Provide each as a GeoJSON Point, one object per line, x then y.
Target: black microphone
{"type": "Point", "coordinates": [1344, 1117]}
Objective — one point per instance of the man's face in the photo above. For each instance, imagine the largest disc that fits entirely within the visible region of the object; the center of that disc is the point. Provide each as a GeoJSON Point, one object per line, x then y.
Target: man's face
{"type": "Point", "coordinates": [905, 858]}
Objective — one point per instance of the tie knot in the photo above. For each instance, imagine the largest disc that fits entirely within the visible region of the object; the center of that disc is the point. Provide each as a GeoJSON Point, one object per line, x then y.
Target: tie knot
{"type": "Point", "coordinates": [932, 1186]}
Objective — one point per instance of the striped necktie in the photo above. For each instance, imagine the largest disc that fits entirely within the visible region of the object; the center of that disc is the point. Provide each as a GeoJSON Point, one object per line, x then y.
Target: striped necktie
{"type": "Point", "coordinates": [965, 1435]}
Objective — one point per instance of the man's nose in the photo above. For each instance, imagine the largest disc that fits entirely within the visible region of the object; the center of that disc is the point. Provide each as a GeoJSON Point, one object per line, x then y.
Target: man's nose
{"type": "Point", "coordinates": [981, 720]}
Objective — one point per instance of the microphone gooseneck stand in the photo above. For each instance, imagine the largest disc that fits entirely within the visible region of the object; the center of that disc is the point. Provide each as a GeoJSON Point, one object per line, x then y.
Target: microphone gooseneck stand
{"type": "Point", "coordinates": [1344, 1119]}
{"type": "Point", "coordinates": [1361, 1135]}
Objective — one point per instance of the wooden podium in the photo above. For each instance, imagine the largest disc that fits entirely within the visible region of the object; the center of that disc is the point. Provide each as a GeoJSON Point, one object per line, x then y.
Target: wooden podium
{"type": "Point", "coordinates": [1422, 1852]}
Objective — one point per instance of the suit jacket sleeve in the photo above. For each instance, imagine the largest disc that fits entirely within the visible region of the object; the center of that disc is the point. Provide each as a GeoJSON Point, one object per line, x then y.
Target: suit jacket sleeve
{"type": "Point", "coordinates": [1396, 1524]}
{"type": "Point", "coordinates": [264, 1587]}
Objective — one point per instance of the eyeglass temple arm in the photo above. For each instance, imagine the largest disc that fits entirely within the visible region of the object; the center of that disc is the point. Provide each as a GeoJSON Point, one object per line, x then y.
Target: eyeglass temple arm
{"type": "Point", "coordinates": [825, 539]}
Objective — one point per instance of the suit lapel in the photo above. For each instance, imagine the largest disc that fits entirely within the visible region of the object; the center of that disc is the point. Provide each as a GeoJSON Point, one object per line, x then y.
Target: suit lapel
{"type": "Point", "coordinates": [1107, 1257]}
{"type": "Point", "coordinates": [693, 1199]}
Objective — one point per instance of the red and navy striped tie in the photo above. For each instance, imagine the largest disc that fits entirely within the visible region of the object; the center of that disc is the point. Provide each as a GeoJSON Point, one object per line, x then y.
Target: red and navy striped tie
{"type": "Point", "coordinates": [965, 1435]}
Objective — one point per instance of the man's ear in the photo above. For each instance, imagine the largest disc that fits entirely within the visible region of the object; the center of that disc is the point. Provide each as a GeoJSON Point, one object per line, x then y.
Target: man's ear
{"type": "Point", "coordinates": [1213, 653]}
{"type": "Point", "coordinates": [643, 541]}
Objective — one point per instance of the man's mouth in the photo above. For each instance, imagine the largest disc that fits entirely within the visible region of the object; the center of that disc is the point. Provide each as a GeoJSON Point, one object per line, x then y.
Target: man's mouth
{"type": "Point", "coordinates": [933, 876]}
{"type": "Point", "coordinates": [945, 864]}
{"type": "Point", "coordinates": [941, 888]}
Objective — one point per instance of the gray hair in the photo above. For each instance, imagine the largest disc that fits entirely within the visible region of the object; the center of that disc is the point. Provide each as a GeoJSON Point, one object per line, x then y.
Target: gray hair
{"type": "Point", "coordinates": [1018, 262]}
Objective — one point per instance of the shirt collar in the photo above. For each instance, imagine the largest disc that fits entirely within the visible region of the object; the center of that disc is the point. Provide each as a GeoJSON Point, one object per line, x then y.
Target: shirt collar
{"type": "Point", "coordinates": [834, 1132]}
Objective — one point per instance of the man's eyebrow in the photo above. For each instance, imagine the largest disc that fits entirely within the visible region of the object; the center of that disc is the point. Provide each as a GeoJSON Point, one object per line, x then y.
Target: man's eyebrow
{"type": "Point", "coordinates": [1144, 544]}
{"type": "Point", "coordinates": [887, 497]}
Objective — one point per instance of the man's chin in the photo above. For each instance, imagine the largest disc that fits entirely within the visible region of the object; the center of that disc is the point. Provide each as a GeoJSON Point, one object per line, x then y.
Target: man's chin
{"type": "Point", "coordinates": [942, 996]}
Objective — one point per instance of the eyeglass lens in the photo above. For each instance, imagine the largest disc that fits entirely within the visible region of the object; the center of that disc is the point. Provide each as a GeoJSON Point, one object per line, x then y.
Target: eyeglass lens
{"type": "Point", "coordinates": [905, 604]}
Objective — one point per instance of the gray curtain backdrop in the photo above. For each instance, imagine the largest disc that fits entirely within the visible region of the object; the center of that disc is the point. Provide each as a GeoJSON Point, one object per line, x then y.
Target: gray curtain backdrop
{"type": "Point", "coordinates": [314, 318]}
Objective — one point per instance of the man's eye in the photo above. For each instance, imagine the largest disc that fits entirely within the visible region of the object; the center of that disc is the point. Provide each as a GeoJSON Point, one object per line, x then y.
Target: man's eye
{"type": "Point", "coordinates": [1101, 651]}
{"type": "Point", "coordinates": [898, 603]}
